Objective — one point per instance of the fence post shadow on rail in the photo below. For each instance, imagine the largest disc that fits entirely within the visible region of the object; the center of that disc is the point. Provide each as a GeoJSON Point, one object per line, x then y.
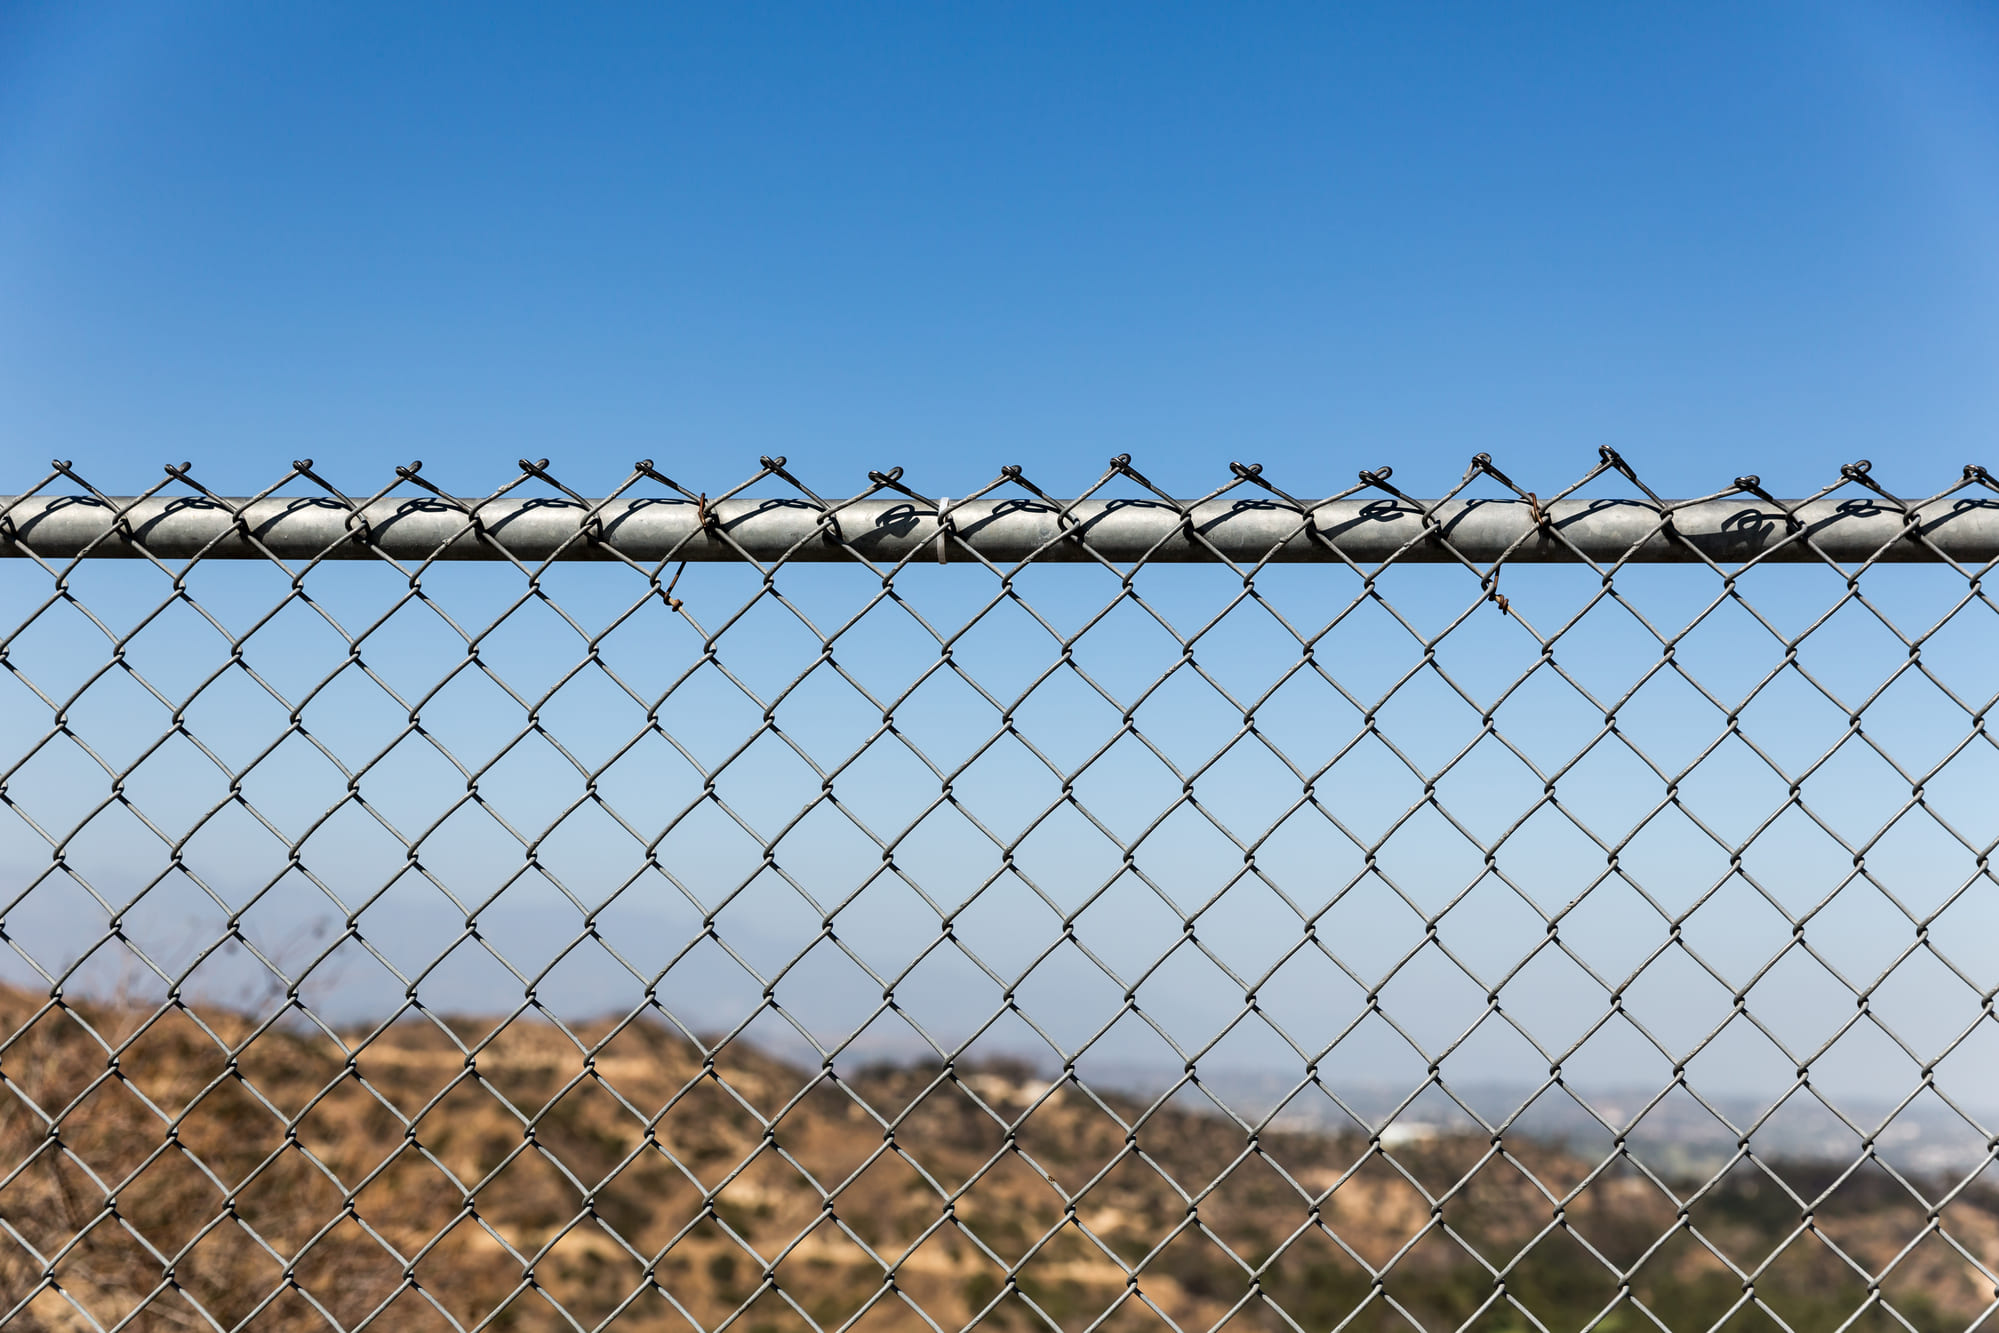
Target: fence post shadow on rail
{"type": "Point", "coordinates": [761, 909]}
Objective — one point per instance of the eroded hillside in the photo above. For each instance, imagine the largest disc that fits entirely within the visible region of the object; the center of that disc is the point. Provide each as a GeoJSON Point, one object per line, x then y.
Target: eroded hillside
{"type": "Point", "coordinates": [292, 1179]}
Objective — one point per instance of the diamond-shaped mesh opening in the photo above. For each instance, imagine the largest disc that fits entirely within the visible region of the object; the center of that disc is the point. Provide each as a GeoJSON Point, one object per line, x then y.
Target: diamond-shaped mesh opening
{"type": "Point", "coordinates": [758, 910]}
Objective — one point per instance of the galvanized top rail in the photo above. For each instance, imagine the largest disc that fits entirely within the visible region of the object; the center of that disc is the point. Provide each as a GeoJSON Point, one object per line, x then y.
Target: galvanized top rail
{"type": "Point", "coordinates": [1259, 525]}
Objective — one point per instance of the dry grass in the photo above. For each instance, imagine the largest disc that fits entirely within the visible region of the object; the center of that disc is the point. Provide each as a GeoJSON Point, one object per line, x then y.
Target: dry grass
{"type": "Point", "coordinates": [284, 1179]}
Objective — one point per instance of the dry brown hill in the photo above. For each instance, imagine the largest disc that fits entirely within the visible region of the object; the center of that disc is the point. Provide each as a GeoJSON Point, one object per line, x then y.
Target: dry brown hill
{"type": "Point", "coordinates": [287, 1178]}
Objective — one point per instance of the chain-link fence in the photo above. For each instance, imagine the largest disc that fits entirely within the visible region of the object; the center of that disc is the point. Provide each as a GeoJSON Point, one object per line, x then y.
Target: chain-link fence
{"type": "Point", "coordinates": [757, 910]}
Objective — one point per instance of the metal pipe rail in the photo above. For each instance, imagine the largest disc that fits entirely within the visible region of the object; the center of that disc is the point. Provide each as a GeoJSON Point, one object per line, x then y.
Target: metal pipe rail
{"type": "Point", "coordinates": [1962, 528]}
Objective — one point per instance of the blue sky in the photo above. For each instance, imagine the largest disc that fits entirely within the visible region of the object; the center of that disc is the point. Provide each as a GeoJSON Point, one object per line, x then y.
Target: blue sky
{"type": "Point", "coordinates": [1722, 238]}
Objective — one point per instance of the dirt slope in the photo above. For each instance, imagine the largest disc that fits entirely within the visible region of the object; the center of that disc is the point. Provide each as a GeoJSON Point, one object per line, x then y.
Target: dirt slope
{"type": "Point", "coordinates": [292, 1179]}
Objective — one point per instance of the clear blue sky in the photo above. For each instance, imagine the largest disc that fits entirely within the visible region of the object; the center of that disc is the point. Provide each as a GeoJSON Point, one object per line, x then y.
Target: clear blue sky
{"type": "Point", "coordinates": [1751, 237]}
{"type": "Point", "coordinates": [1723, 238]}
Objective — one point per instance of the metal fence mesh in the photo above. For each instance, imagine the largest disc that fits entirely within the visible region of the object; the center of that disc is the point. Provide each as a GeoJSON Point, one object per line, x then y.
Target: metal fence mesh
{"type": "Point", "coordinates": [781, 929]}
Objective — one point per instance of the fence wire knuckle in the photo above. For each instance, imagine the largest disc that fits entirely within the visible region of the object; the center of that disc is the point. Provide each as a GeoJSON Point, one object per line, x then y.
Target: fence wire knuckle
{"type": "Point", "coordinates": [730, 907]}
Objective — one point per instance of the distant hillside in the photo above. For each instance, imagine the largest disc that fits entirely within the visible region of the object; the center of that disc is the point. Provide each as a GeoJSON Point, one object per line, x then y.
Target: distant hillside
{"type": "Point", "coordinates": [646, 1186]}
